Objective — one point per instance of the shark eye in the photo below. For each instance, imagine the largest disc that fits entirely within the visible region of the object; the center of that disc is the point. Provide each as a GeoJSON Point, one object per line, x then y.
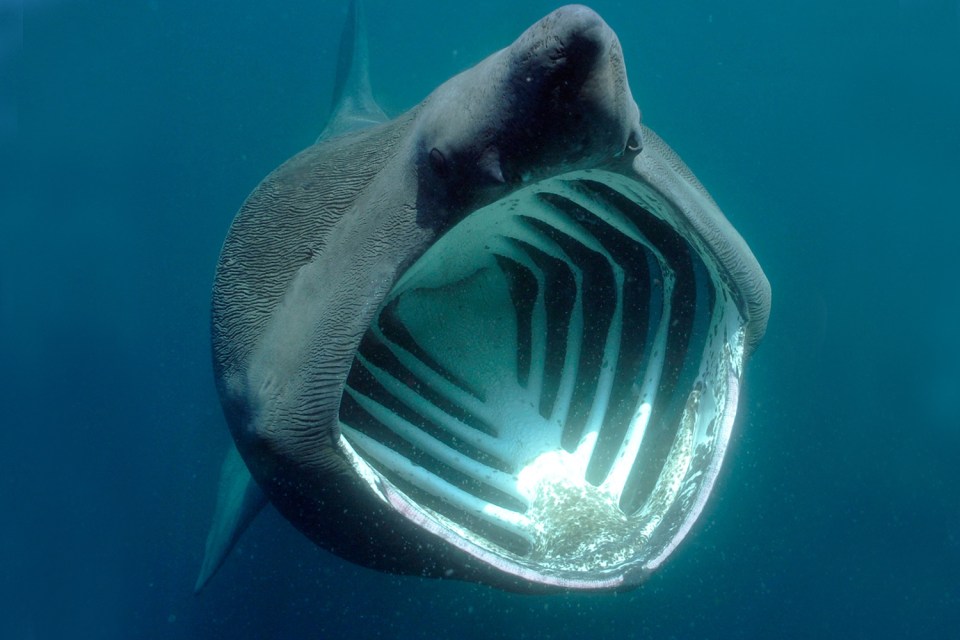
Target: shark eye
{"type": "Point", "coordinates": [438, 161]}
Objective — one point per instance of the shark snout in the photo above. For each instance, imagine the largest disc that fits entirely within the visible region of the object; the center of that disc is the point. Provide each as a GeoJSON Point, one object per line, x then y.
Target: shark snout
{"type": "Point", "coordinates": [570, 38]}
{"type": "Point", "coordinates": [580, 28]}
{"type": "Point", "coordinates": [578, 60]}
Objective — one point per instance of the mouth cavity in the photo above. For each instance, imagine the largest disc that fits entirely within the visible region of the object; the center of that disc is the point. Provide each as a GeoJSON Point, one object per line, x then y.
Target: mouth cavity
{"type": "Point", "coordinates": [554, 381]}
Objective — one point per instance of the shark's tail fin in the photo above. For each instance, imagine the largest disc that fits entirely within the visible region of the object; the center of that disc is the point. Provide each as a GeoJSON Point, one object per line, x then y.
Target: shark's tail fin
{"type": "Point", "coordinates": [353, 103]}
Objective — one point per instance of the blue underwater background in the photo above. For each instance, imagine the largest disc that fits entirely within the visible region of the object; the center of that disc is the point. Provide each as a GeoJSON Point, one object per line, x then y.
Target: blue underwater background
{"type": "Point", "coordinates": [131, 132]}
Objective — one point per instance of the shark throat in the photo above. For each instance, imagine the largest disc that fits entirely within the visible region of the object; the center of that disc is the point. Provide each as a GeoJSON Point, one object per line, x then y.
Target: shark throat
{"type": "Point", "coordinates": [551, 387]}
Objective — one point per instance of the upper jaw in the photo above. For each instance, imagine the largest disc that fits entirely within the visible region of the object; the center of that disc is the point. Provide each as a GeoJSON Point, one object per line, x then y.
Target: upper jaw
{"type": "Point", "coordinates": [556, 100]}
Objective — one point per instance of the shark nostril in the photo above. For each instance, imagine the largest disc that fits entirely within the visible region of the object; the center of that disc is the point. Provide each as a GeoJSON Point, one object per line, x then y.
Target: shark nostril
{"type": "Point", "coordinates": [635, 141]}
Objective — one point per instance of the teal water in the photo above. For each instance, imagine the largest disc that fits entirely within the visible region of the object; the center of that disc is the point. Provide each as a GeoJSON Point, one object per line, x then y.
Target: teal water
{"type": "Point", "coordinates": [131, 133]}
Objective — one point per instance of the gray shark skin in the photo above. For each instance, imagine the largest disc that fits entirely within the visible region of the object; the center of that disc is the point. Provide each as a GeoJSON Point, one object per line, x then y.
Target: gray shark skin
{"type": "Point", "coordinates": [239, 497]}
{"type": "Point", "coordinates": [499, 338]}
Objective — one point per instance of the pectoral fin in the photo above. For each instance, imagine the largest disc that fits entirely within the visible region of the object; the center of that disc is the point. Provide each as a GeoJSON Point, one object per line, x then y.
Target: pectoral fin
{"type": "Point", "coordinates": [239, 500]}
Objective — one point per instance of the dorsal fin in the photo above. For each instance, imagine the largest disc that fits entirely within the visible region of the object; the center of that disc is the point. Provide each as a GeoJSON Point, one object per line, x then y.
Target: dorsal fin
{"type": "Point", "coordinates": [353, 103]}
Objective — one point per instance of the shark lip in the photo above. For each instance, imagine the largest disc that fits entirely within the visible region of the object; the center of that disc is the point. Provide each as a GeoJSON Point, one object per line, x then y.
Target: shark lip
{"type": "Point", "coordinates": [551, 387]}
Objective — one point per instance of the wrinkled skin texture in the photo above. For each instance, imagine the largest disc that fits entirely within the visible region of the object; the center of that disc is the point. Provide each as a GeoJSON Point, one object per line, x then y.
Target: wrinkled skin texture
{"type": "Point", "coordinates": [320, 242]}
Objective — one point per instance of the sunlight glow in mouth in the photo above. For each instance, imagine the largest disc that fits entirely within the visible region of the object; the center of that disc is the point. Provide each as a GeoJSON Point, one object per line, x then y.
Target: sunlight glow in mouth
{"type": "Point", "coordinates": [547, 382]}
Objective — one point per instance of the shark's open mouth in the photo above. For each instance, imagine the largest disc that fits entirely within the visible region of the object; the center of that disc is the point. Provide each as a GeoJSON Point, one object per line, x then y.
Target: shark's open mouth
{"type": "Point", "coordinates": [553, 383]}
{"type": "Point", "coordinates": [534, 393]}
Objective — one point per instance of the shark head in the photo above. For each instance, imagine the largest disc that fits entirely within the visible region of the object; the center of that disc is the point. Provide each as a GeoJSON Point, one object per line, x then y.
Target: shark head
{"type": "Point", "coordinates": [499, 338]}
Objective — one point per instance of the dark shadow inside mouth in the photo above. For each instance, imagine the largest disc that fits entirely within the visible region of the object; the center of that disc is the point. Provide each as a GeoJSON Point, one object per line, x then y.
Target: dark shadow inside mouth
{"type": "Point", "coordinates": [540, 368]}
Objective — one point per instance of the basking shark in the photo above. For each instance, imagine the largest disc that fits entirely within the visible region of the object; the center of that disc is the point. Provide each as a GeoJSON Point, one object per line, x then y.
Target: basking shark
{"type": "Point", "coordinates": [498, 338]}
